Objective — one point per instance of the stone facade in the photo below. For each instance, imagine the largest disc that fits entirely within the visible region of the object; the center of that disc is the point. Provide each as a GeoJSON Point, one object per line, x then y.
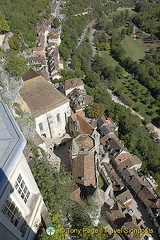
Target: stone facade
{"type": "Point", "coordinates": [53, 123]}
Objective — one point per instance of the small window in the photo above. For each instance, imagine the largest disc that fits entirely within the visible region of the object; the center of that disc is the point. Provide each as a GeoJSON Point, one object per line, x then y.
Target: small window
{"type": "Point", "coordinates": [58, 117]}
{"type": "Point", "coordinates": [40, 126]}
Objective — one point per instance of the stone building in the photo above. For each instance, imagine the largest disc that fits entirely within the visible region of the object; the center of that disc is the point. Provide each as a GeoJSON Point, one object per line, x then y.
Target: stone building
{"type": "Point", "coordinates": [21, 203]}
{"type": "Point", "coordinates": [48, 106]}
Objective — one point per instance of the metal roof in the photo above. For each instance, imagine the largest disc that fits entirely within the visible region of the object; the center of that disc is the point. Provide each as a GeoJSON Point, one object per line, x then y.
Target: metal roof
{"type": "Point", "coordinates": [12, 143]}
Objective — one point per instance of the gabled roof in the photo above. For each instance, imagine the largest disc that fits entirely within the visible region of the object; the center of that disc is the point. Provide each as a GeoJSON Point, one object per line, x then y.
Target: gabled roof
{"type": "Point", "coordinates": [115, 179]}
{"type": "Point", "coordinates": [112, 144]}
{"type": "Point", "coordinates": [131, 225]}
{"type": "Point", "coordinates": [127, 160]}
{"type": "Point", "coordinates": [30, 74]}
{"type": "Point", "coordinates": [84, 126]}
{"type": "Point", "coordinates": [72, 83]}
{"type": "Point", "coordinates": [147, 196]}
{"type": "Point", "coordinates": [37, 49]}
{"type": "Point", "coordinates": [124, 196]}
{"type": "Point", "coordinates": [40, 95]}
{"type": "Point", "coordinates": [84, 169]}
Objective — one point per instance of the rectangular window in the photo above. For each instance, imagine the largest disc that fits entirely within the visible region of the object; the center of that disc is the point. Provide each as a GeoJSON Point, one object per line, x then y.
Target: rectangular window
{"type": "Point", "coordinates": [40, 127]}
{"type": "Point", "coordinates": [10, 210]}
{"type": "Point", "coordinates": [22, 188]}
{"type": "Point", "coordinates": [58, 117]}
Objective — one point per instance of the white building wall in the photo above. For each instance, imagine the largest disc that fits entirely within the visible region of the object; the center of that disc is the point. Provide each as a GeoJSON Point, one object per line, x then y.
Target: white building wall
{"type": "Point", "coordinates": [70, 90]}
{"type": "Point", "coordinates": [52, 124]}
{"type": "Point", "coordinates": [33, 218]}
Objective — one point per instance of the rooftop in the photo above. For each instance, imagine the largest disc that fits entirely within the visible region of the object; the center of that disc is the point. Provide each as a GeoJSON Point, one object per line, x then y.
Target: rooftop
{"type": "Point", "coordinates": [72, 83]}
{"type": "Point", "coordinates": [84, 169]}
{"type": "Point", "coordinates": [12, 143]}
{"type": "Point", "coordinates": [84, 126]}
{"type": "Point", "coordinates": [84, 141]}
{"type": "Point", "coordinates": [112, 144]}
{"type": "Point", "coordinates": [40, 95]}
{"type": "Point", "coordinates": [127, 160]}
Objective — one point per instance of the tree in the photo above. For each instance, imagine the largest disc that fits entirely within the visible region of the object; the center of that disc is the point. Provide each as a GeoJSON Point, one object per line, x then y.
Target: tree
{"type": "Point", "coordinates": [79, 73]}
{"type": "Point", "coordinates": [15, 64]}
{"type": "Point", "coordinates": [96, 110]}
{"type": "Point", "coordinates": [119, 71]}
{"type": "Point", "coordinates": [92, 79]}
{"type": "Point", "coordinates": [104, 46]}
{"type": "Point", "coordinates": [4, 27]}
{"type": "Point", "coordinates": [64, 52]}
{"type": "Point", "coordinates": [14, 43]}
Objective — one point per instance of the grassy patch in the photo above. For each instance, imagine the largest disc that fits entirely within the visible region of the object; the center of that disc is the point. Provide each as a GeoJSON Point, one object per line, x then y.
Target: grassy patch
{"type": "Point", "coordinates": [101, 183]}
{"type": "Point", "coordinates": [133, 48]}
{"type": "Point", "coordinates": [109, 60]}
{"type": "Point", "coordinates": [118, 11]}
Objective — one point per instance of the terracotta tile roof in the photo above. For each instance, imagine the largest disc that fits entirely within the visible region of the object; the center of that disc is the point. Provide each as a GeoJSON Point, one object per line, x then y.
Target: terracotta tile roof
{"type": "Point", "coordinates": [147, 196]}
{"type": "Point", "coordinates": [40, 95]}
{"type": "Point", "coordinates": [112, 144]}
{"type": "Point", "coordinates": [84, 169]}
{"type": "Point", "coordinates": [84, 126]}
{"type": "Point", "coordinates": [109, 121]}
{"type": "Point", "coordinates": [37, 49]}
{"type": "Point", "coordinates": [72, 83]}
{"type": "Point", "coordinates": [131, 225]}
{"type": "Point", "coordinates": [40, 60]}
{"type": "Point", "coordinates": [30, 74]}
{"type": "Point", "coordinates": [115, 179]}
{"type": "Point", "coordinates": [116, 216]}
{"type": "Point", "coordinates": [127, 160]}
{"type": "Point", "coordinates": [124, 196]}
{"type": "Point", "coordinates": [84, 142]}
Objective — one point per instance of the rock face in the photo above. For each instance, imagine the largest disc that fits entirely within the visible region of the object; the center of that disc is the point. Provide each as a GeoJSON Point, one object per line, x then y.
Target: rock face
{"type": "Point", "coordinates": [9, 93]}
{"type": "Point", "coordinates": [5, 45]}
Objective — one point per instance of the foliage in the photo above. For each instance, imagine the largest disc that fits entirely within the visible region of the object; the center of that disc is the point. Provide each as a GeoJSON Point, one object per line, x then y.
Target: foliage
{"type": "Point", "coordinates": [67, 74]}
{"type": "Point", "coordinates": [4, 27]}
{"type": "Point", "coordinates": [14, 43]}
{"type": "Point", "coordinates": [104, 46]}
{"type": "Point", "coordinates": [70, 8]}
{"type": "Point", "coordinates": [56, 22]}
{"type": "Point", "coordinates": [22, 17]}
{"type": "Point", "coordinates": [147, 17]}
{"type": "Point", "coordinates": [92, 79]}
{"type": "Point", "coordinates": [15, 64]}
{"type": "Point", "coordinates": [63, 51]}
{"type": "Point", "coordinates": [59, 234]}
{"type": "Point", "coordinates": [96, 110]}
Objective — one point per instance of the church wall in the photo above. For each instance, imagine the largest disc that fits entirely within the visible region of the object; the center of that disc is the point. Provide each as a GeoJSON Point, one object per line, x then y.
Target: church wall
{"type": "Point", "coordinates": [53, 123]}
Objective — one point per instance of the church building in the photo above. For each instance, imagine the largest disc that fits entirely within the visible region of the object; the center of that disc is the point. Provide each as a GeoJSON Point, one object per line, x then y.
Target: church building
{"type": "Point", "coordinates": [48, 106]}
